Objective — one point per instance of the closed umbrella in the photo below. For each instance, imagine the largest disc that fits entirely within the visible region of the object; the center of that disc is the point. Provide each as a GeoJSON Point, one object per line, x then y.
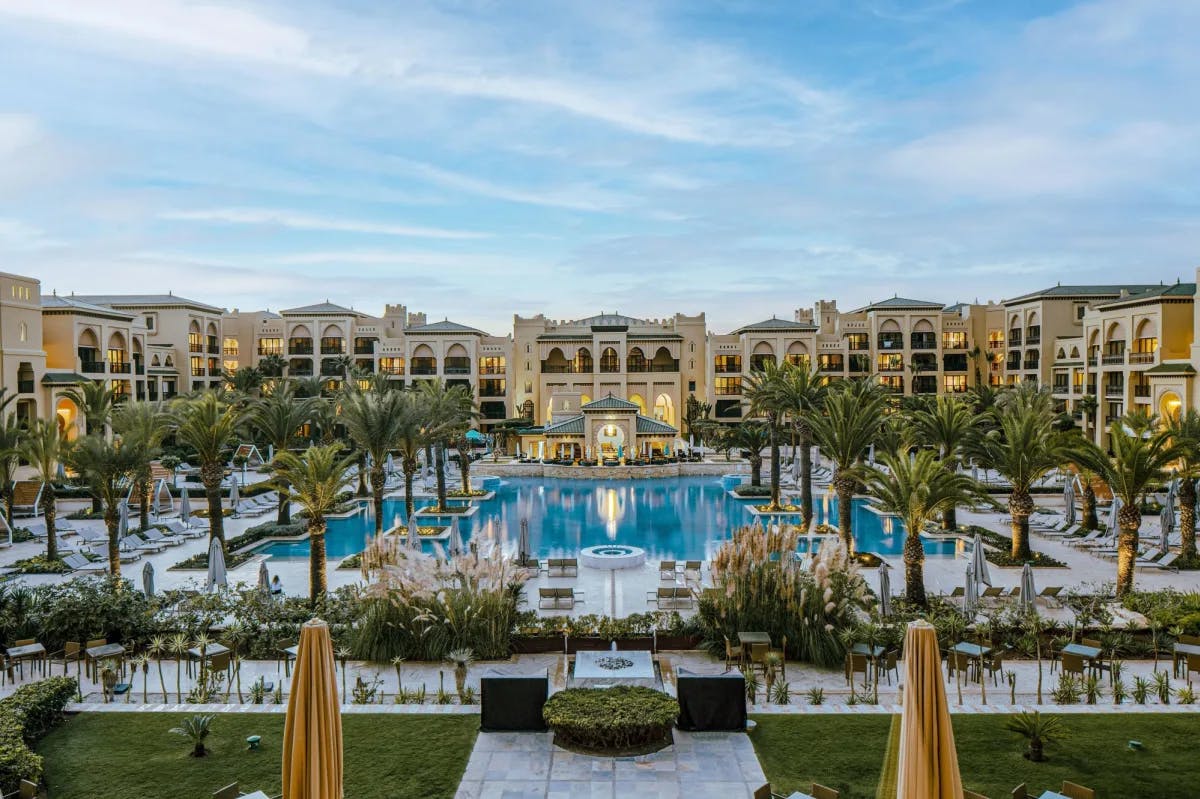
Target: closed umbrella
{"type": "Point", "coordinates": [456, 541]}
{"type": "Point", "coordinates": [928, 763]}
{"type": "Point", "coordinates": [974, 471]}
{"type": "Point", "coordinates": [885, 590]}
{"type": "Point", "coordinates": [264, 578]}
{"type": "Point", "coordinates": [523, 542]}
{"type": "Point", "coordinates": [122, 518]}
{"type": "Point", "coordinates": [414, 535]}
{"type": "Point", "coordinates": [1069, 503]}
{"type": "Point", "coordinates": [185, 507]}
{"type": "Point", "coordinates": [979, 565]}
{"type": "Point", "coordinates": [795, 467]}
{"type": "Point", "coordinates": [312, 729]}
{"type": "Point", "coordinates": [389, 465]}
{"type": "Point", "coordinates": [1165, 523]}
{"type": "Point", "coordinates": [233, 493]}
{"type": "Point", "coordinates": [1028, 591]}
{"type": "Point", "coordinates": [148, 579]}
{"type": "Point", "coordinates": [970, 595]}
{"type": "Point", "coordinates": [1113, 510]}
{"type": "Point", "coordinates": [871, 454]}
{"type": "Point", "coordinates": [216, 566]}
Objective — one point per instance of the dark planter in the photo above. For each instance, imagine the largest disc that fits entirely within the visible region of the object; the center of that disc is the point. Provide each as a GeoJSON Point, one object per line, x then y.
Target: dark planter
{"type": "Point", "coordinates": [672, 641]}
{"type": "Point", "coordinates": [536, 644]}
{"type": "Point", "coordinates": [638, 643]}
{"type": "Point", "coordinates": [586, 643]}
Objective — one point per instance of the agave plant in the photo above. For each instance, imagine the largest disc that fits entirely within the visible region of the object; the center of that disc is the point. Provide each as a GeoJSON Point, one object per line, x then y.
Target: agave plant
{"type": "Point", "coordinates": [195, 728]}
{"type": "Point", "coordinates": [462, 660]}
{"type": "Point", "coordinates": [1038, 730]}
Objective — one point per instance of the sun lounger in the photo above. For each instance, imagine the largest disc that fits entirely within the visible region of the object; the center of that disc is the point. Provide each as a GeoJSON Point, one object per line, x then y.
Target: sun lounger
{"type": "Point", "coordinates": [80, 563]}
{"type": "Point", "coordinates": [176, 527]}
{"type": "Point", "coordinates": [1163, 562]}
{"type": "Point", "coordinates": [692, 570]}
{"type": "Point", "coordinates": [666, 570]}
{"type": "Point", "coordinates": [38, 529]}
{"type": "Point", "coordinates": [1087, 540]}
{"type": "Point", "coordinates": [671, 598]}
{"type": "Point", "coordinates": [133, 543]}
{"type": "Point", "coordinates": [155, 536]}
{"type": "Point", "coordinates": [562, 567]}
{"type": "Point", "coordinates": [27, 496]}
{"type": "Point", "coordinates": [1050, 594]}
{"type": "Point", "coordinates": [93, 537]}
{"type": "Point", "coordinates": [558, 598]}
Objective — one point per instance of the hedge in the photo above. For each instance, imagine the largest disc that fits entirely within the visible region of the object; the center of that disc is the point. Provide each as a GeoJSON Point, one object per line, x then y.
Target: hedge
{"type": "Point", "coordinates": [619, 719]}
{"type": "Point", "coordinates": [25, 717]}
{"type": "Point", "coordinates": [252, 535]}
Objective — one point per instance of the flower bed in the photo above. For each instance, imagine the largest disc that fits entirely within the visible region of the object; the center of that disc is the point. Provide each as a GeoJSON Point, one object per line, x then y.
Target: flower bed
{"type": "Point", "coordinates": [1002, 554]}
{"type": "Point", "coordinates": [623, 719]}
{"type": "Point", "coordinates": [460, 494]}
{"type": "Point", "coordinates": [40, 564]}
{"type": "Point", "coordinates": [747, 490]}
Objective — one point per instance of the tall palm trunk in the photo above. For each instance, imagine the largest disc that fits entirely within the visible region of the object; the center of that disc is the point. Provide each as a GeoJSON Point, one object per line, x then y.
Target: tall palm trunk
{"type": "Point", "coordinates": [378, 479]}
{"type": "Point", "coordinates": [464, 466]}
{"type": "Point", "coordinates": [1129, 520]}
{"type": "Point", "coordinates": [1090, 520]}
{"type": "Point", "coordinates": [439, 463]}
{"type": "Point", "coordinates": [284, 514]}
{"type": "Point", "coordinates": [316, 559]}
{"type": "Point", "coordinates": [774, 433]}
{"type": "Point", "coordinates": [210, 475]}
{"type": "Point", "coordinates": [1020, 505]}
{"type": "Point", "coordinates": [806, 492]}
{"type": "Point", "coordinates": [361, 491]}
{"type": "Point", "coordinates": [112, 521]}
{"type": "Point", "coordinates": [1187, 519]}
{"type": "Point", "coordinates": [755, 469]}
{"type": "Point", "coordinates": [844, 486]}
{"type": "Point", "coordinates": [50, 511]}
{"type": "Point", "coordinates": [914, 568]}
{"type": "Point", "coordinates": [144, 485]}
{"type": "Point", "coordinates": [408, 490]}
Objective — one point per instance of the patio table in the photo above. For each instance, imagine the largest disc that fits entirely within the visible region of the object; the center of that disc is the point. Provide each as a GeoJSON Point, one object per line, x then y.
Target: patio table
{"type": "Point", "coordinates": [972, 650]}
{"type": "Point", "coordinates": [1181, 653]}
{"type": "Point", "coordinates": [255, 795]}
{"type": "Point", "coordinates": [798, 795]}
{"type": "Point", "coordinates": [29, 652]}
{"type": "Point", "coordinates": [210, 651]}
{"type": "Point", "coordinates": [288, 656]}
{"type": "Point", "coordinates": [97, 653]}
{"type": "Point", "coordinates": [1053, 795]}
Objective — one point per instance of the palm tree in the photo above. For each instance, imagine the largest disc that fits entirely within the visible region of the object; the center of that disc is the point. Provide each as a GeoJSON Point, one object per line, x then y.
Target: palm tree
{"type": "Point", "coordinates": [946, 427]}
{"type": "Point", "coordinates": [11, 432]}
{"type": "Point", "coordinates": [1087, 407]}
{"type": "Point", "coordinates": [278, 417]}
{"type": "Point", "coordinates": [1023, 447]}
{"type": "Point", "coordinates": [916, 489]}
{"type": "Point", "coordinates": [761, 393]}
{"type": "Point", "coordinates": [95, 400]}
{"type": "Point", "coordinates": [317, 478]}
{"type": "Point", "coordinates": [1139, 463]}
{"type": "Point", "coordinates": [751, 436]}
{"type": "Point", "coordinates": [410, 440]}
{"type": "Point", "coordinates": [245, 380]}
{"type": "Point", "coordinates": [43, 447]}
{"type": "Point", "coordinates": [373, 422]}
{"type": "Point", "coordinates": [847, 425]}
{"type": "Point", "coordinates": [1184, 430]}
{"type": "Point", "coordinates": [208, 425]}
{"type": "Point", "coordinates": [272, 366]}
{"type": "Point", "coordinates": [801, 393]}
{"type": "Point", "coordinates": [148, 423]}
{"type": "Point", "coordinates": [450, 410]}
{"type": "Point", "coordinates": [104, 466]}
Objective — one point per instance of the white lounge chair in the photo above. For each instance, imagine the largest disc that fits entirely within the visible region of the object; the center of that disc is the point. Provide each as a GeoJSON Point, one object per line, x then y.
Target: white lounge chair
{"type": "Point", "coordinates": [133, 543]}
{"type": "Point", "coordinates": [155, 536]}
{"type": "Point", "coordinates": [1165, 563]}
{"type": "Point", "coordinates": [80, 563]}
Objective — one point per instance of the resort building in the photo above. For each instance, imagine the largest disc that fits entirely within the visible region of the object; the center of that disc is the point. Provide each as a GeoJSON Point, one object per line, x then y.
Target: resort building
{"type": "Point", "coordinates": [22, 352]}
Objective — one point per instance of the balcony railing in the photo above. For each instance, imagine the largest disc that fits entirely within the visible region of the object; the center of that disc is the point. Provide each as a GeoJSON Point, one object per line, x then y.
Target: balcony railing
{"type": "Point", "coordinates": [1141, 390]}
{"type": "Point", "coordinates": [673, 366]}
{"type": "Point", "coordinates": [493, 370]}
{"type": "Point", "coordinates": [995, 345]}
{"type": "Point", "coordinates": [830, 366]}
{"type": "Point", "coordinates": [423, 370]}
{"type": "Point", "coordinates": [1141, 357]}
{"type": "Point", "coordinates": [1091, 360]}
{"type": "Point", "coordinates": [198, 372]}
{"type": "Point", "coordinates": [301, 371]}
{"type": "Point", "coordinates": [300, 349]}
{"type": "Point", "coordinates": [364, 349]}
{"type": "Point", "coordinates": [1033, 338]}
{"type": "Point", "coordinates": [139, 369]}
{"type": "Point", "coordinates": [1114, 391]}
{"type": "Point", "coordinates": [119, 368]}
{"type": "Point", "coordinates": [25, 386]}
{"type": "Point", "coordinates": [562, 369]}
{"type": "Point", "coordinates": [230, 352]}
{"type": "Point", "coordinates": [486, 391]}
{"type": "Point", "coordinates": [325, 350]}
{"type": "Point", "coordinates": [1062, 388]}
{"type": "Point", "coordinates": [1114, 359]}
{"type": "Point", "coordinates": [1091, 388]}
{"type": "Point", "coordinates": [92, 367]}
{"type": "Point", "coordinates": [1014, 338]}
{"type": "Point", "coordinates": [456, 370]}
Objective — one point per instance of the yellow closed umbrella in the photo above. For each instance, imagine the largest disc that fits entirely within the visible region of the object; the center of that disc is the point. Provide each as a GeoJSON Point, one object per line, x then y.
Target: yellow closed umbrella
{"type": "Point", "coordinates": [312, 732]}
{"type": "Point", "coordinates": [928, 762]}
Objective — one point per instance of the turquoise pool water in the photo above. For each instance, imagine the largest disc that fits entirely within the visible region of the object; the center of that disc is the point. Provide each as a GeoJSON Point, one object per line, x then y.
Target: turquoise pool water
{"type": "Point", "coordinates": [685, 518]}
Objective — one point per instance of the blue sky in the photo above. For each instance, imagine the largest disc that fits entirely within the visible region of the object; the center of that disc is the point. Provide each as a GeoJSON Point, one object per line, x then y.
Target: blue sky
{"type": "Point", "coordinates": [474, 159]}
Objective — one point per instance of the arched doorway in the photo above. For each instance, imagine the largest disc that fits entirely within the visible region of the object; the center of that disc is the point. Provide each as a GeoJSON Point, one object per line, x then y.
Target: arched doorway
{"type": "Point", "coordinates": [610, 440]}
{"type": "Point", "coordinates": [664, 409]}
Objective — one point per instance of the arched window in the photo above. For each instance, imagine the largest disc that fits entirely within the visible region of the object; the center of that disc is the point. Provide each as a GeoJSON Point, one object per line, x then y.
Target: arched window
{"type": "Point", "coordinates": [609, 362]}
{"type": "Point", "coordinates": [636, 360]}
{"type": "Point", "coordinates": [583, 362]}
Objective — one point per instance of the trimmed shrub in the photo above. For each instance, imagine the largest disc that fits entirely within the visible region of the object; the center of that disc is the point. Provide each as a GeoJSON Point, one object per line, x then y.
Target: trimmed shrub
{"type": "Point", "coordinates": [617, 719]}
{"type": "Point", "coordinates": [252, 535]}
{"type": "Point", "coordinates": [748, 490]}
{"type": "Point", "coordinates": [25, 717]}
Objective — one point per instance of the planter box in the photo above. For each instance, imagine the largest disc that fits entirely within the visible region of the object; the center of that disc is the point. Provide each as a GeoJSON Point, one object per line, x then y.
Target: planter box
{"type": "Point", "coordinates": [644, 643]}
{"type": "Point", "coordinates": [672, 641]}
{"type": "Point", "coordinates": [537, 644]}
{"type": "Point", "coordinates": [586, 644]}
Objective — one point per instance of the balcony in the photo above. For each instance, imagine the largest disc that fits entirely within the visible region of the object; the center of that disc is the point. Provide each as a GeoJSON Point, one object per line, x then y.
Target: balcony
{"type": "Point", "coordinates": [92, 367]}
{"type": "Point", "coordinates": [364, 346]}
{"type": "Point", "coordinates": [996, 345]}
{"type": "Point", "coordinates": [1141, 357]}
{"type": "Point", "coordinates": [1114, 360]}
{"type": "Point", "coordinates": [422, 370]}
{"type": "Point", "coordinates": [562, 369]}
{"type": "Point", "coordinates": [830, 365]}
{"type": "Point", "coordinates": [1114, 391]}
{"type": "Point", "coordinates": [670, 366]}
{"type": "Point", "coordinates": [139, 369]}
{"type": "Point", "coordinates": [1091, 389]}
{"type": "Point", "coordinates": [859, 364]}
{"type": "Point", "coordinates": [721, 369]}
{"type": "Point", "coordinates": [487, 388]}
{"type": "Point", "coordinates": [454, 370]}
{"type": "Point", "coordinates": [25, 386]}
{"type": "Point", "coordinates": [198, 372]}
{"type": "Point", "coordinates": [924, 385]}
{"type": "Point", "coordinates": [495, 370]}
{"type": "Point", "coordinates": [924, 341]}
{"type": "Point", "coordinates": [300, 349]}
{"type": "Point", "coordinates": [213, 349]}
{"type": "Point", "coordinates": [1141, 390]}
{"type": "Point", "coordinates": [1014, 338]}
{"type": "Point", "coordinates": [1062, 387]}
{"type": "Point", "coordinates": [300, 371]}
{"type": "Point", "coordinates": [954, 363]}
{"type": "Point", "coordinates": [230, 352]}
{"type": "Point", "coordinates": [119, 368]}
{"type": "Point", "coordinates": [332, 370]}
{"type": "Point", "coordinates": [891, 341]}
{"type": "Point", "coordinates": [1091, 360]}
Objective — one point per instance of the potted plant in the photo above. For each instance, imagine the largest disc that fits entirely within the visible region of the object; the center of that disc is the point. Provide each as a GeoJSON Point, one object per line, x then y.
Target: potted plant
{"type": "Point", "coordinates": [1037, 730]}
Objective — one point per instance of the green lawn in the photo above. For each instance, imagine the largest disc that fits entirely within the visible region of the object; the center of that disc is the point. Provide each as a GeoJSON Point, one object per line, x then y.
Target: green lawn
{"type": "Point", "coordinates": [846, 753]}
{"type": "Point", "coordinates": [119, 755]}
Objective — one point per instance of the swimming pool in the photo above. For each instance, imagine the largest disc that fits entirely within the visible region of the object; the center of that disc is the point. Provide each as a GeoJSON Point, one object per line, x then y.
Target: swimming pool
{"type": "Point", "coordinates": [684, 518]}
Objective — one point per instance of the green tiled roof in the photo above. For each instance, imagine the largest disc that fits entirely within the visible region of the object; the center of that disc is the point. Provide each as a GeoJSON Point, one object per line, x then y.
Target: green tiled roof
{"type": "Point", "coordinates": [64, 379]}
{"type": "Point", "coordinates": [1093, 292]}
{"type": "Point", "coordinates": [1174, 290]}
{"type": "Point", "coordinates": [445, 326]}
{"type": "Point", "coordinates": [651, 427]}
{"type": "Point", "coordinates": [610, 403]}
{"type": "Point", "coordinates": [775, 324]}
{"type": "Point", "coordinates": [568, 427]}
{"type": "Point", "coordinates": [1171, 369]}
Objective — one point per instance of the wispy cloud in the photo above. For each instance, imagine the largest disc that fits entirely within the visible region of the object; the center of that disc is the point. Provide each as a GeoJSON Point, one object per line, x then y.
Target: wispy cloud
{"type": "Point", "coordinates": [299, 221]}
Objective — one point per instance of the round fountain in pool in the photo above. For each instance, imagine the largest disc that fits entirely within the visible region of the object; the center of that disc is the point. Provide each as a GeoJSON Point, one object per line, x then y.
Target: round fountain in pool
{"type": "Point", "coordinates": [612, 556]}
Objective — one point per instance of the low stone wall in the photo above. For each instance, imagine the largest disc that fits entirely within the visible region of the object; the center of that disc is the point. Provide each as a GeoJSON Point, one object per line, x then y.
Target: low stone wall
{"type": "Point", "coordinates": [715, 468]}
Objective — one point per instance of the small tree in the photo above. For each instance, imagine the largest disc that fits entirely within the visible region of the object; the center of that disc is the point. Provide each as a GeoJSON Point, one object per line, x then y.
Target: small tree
{"type": "Point", "coordinates": [44, 447]}
{"type": "Point", "coordinates": [1037, 730]}
{"type": "Point", "coordinates": [209, 426]}
{"type": "Point", "coordinates": [105, 466]}
{"type": "Point", "coordinates": [196, 729]}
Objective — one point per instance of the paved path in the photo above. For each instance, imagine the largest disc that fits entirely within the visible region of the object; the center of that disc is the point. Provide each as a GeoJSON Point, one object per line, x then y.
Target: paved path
{"type": "Point", "coordinates": [527, 765]}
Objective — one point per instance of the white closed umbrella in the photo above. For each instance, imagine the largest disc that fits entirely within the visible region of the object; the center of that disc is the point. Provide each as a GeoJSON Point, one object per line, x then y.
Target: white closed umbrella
{"type": "Point", "coordinates": [185, 507]}
{"type": "Point", "coordinates": [1069, 503]}
{"type": "Point", "coordinates": [970, 595]}
{"type": "Point", "coordinates": [234, 496]}
{"type": "Point", "coordinates": [1165, 523]}
{"type": "Point", "coordinates": [122, 519]}
{"type": "Point", "coordinates": [148, 579]}
{"type": "Point", "coordinates": [389, 465]}
{"type": "Point", "coordinates": [414, 535]}
{"type": "Point", "coordinates": [871, 454]}
{"type": "Point", "coordinates": [979, 565]}
{"type": "Point", "coordinates": [885, 591]}
{"type": "Point", "coordinates": [456, 541]}
{"type": "Point", "coordinates": [1028, 590]}
{"type": "Point", "coordinates": [216, 566]}
{"type": "Point", "coordinates": [795, 466]}
{"type": "Point", "coordinates": [264, 578]}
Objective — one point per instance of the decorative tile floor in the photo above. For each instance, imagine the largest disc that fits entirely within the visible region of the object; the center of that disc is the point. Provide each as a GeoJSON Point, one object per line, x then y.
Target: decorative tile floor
{"type": "Point", "coordinates": [528, 765]}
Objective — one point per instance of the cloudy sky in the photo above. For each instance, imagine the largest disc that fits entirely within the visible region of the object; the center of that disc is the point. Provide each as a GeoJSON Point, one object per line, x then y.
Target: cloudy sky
{"type": "Point", "coordinates": [474, 159]}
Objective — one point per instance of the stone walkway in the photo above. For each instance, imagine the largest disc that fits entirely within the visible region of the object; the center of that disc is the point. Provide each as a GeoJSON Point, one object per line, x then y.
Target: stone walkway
{"type": "Point", "coordinates": [528, 765]}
